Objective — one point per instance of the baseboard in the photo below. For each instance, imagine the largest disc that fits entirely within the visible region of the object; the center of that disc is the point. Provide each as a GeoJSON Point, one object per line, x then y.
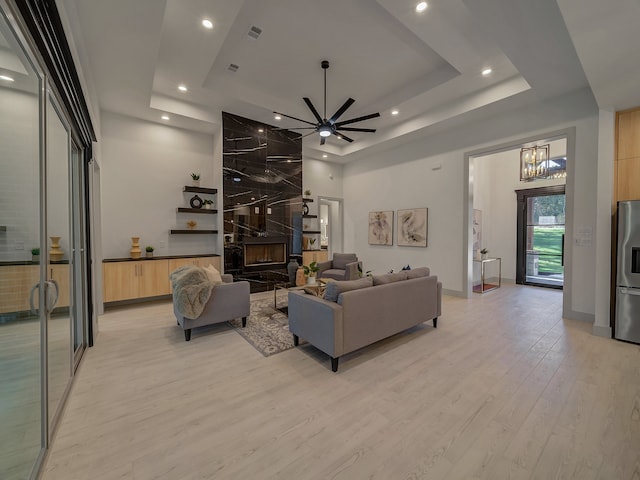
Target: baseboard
{"type": "Point", "coordinates": [453, 293]}
{"type": "Point", "coordinates": [599, 331]}
{"type": "Point", "coordinates": [581, 316]}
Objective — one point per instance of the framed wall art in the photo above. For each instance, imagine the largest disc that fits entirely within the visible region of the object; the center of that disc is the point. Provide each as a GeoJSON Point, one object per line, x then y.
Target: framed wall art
{"type": "Point", "coordinates": [412, 227]}
{"type": "Point", "coordinates": [381, 227]}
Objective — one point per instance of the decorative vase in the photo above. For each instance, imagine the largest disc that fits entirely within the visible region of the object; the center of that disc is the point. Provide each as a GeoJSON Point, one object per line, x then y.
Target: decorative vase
{"type": "Point", "coordinates": [300, 280]}
{"type": "Point", "coordinates": [56, 253]}
{"type": "Point", "coordinates": [305, 243]}
{"type": "Point", "coordinates": [292, 268]}
{"type": "Point", "coordinates": [483, 256]}
{"type": "Point", "coordinates": [195, 183]}
{"type": "Point", "coordinates": [135, 251]}
{"type": "Point", "coordinates": [149, 254]}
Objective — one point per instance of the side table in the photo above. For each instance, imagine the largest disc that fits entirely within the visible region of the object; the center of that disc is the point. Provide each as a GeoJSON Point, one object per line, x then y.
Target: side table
{"type": "Point", "coordinates": [487, 283]}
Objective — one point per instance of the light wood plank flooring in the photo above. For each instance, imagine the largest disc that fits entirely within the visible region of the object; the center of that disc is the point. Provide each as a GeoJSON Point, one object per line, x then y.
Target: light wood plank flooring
{"type": "Point", "coordinates": [504, 388]}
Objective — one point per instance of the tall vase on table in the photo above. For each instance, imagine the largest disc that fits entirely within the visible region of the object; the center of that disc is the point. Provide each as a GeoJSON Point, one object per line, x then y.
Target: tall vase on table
{"type": "Point", "coordinates": [55, 254]}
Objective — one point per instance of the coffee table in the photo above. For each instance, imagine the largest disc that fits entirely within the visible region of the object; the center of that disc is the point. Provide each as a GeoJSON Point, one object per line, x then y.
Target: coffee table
{"type": "Point", "coordinates": [318, 287]}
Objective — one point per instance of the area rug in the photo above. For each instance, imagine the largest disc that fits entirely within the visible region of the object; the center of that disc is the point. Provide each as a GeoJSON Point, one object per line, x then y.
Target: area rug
{"type": "Point", "coordinates": [267, 329]}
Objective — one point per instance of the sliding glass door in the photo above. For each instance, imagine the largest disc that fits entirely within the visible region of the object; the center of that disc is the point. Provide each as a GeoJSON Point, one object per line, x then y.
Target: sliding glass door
{"type": "Point", "coordinates": [540, 244]}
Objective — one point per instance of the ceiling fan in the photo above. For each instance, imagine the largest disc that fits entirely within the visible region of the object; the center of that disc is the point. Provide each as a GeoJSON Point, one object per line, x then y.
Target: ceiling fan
{"type": "Point", "coordinates": [331, 126]}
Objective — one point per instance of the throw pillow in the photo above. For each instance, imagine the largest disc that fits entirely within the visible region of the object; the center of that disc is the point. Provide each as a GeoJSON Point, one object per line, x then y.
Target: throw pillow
{"type": "Point", "coordinates": [336, 288]}
{"type": "Point", "coordinates": [389, 278]}
{"type": "Point", "coordinates": [418, 272]}
{"type": "Point", "coordinates": [213, 274]}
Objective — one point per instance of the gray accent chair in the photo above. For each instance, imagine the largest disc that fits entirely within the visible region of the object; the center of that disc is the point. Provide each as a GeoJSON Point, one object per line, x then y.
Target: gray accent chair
{"type": "Point", "coordinates": [343, 266]}
{"type": "Point", "coordinates": [228, 301]}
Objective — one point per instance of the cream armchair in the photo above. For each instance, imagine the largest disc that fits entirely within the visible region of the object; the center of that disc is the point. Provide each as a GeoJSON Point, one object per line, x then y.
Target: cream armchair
{"type": "Point", "coordinates": [343, 266]}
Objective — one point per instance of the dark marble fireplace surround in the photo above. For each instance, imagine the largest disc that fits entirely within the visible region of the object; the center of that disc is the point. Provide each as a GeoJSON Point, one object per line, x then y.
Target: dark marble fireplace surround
{"type": "Point", "coordinates": [262, 185]}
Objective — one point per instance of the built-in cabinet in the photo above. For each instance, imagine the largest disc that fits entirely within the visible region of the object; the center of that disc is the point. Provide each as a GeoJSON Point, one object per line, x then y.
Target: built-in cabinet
{"type": "Point", "coordinates": [309, 256]}
{"type": "Point", "coordinates": [17, 281]}
{"type": "Point", "coordinates": [627, 181]}
{"type": "Point", "coordinates": [130, 280]}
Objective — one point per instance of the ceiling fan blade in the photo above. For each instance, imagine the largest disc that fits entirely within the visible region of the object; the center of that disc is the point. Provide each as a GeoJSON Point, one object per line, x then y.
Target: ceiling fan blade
{"type": "Point", "coordinates": [313, 109]}
{"type": "Point", "coordinates": [344, 137]}
{"type": "Point", "coordinates": [353, 129]}
{"type": "Point", "coordinates": [359, 119]}
{"type": "Point", "coordinates": [341, 110]}
{"type": "Point", "coordinates": [307, 134]}
{"type": "Point", "coordinates": [294, 118]}
{"type": "Point", "coordinates": [292, 128]}
{"type": "Point", "coordinates": [322, 140]}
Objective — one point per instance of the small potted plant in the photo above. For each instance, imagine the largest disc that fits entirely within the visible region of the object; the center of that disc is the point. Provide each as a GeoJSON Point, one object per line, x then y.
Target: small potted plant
{"type": "Point", "coordinates": [310, 272]}
{"type": "Point", "coordinates": [208, 204]}
{"type": "Point", "coordinates": [149, 250]}
{"type": "Point", "coordinates": [195, 179]}
{"type": "Point", "coordinates": [483, 253]}
{"type": "Point", "coordinates": [312, 242]}
{"type": "Point", "coordinates": [35, 254]}
{"type": "Point", "coordinates": [307, 193]}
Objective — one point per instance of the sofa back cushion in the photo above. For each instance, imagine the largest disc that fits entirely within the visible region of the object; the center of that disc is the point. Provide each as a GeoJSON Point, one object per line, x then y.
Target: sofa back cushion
{"type": "Point", "coordinates": [389, 278]}
{"type": "Point", "coordinates": [335, 288]}
{"type": "Point", "coordinates": [418, 272]}
{"type": "Point", "coordinates": [340, 260]}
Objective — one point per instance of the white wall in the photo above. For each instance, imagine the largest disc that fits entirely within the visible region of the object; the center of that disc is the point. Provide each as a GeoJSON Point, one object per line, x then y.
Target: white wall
{"type": "Point", "coordinates": [496, 178]}
{"type": "Point", "coordinates": [144, 168]}
{"type": "Point", "coordinates": [409, 177]}
{"type": "Point", "coordinates": [20, 167]}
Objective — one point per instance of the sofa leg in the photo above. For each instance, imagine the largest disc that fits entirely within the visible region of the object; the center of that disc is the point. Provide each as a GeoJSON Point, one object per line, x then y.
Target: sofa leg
{"type": "Point", "coordinates": [334, 364]}
{"type": "Point", "coordinates": [296, 340]}
{"type": "Point", "coordinates": [187, 334]}
{"type": "Point", "coordinates": [244, 322]}
{"type": "Point", "coordinates": [435, 322]}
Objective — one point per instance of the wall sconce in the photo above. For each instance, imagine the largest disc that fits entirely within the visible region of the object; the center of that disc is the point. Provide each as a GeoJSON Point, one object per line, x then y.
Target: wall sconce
{"type": "Point", "coordinates": [534, 163]}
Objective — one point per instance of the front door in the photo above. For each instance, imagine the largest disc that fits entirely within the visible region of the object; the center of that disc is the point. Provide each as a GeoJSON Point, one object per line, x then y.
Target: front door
{"type": "Point", "coordinates": [540, 240]}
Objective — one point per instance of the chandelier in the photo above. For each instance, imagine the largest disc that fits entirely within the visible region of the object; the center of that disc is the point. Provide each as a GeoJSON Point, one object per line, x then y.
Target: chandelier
{"type": "Point", "coordinates": [535, 164]}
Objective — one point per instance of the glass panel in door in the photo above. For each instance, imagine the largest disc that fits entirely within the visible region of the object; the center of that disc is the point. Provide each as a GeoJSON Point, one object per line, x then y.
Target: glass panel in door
{"type": "Point", "coordinates": [545, 240]}
{"type": "Point", "coordinates": [20, 232]}
{"type": "Point", "coordinates": [59, 325]}
{"type": "Point", "coordinates": [78, 304]}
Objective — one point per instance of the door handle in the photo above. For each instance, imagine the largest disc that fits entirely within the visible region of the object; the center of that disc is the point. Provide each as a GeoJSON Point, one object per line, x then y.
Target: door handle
{"type": "Point", "coordinates": [562, 252]}
{"type": "Point", "coordinates": [630, 291]}
{"type": "Point", "coordinates": [51, 299]}
{"type": "Point", "coordinates": [31, 305]}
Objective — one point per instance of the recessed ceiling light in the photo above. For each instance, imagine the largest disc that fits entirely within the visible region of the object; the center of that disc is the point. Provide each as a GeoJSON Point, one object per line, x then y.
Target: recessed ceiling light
{"type": "Point", "coordinates": [278, 117]}
{"type": "Point", "coordinates": [6, 78]}
{"type": "Point", "coordinates": [324, 155]}
{"type": "Point", "coordinates": [394, 112]}
{"type": "Point", "coordinates": [182, 88]}
{"type": "Point", "coordinates": [486, 71]}
{"type": "Point", "coordinates": [165, 117]}
{"type": "Point", "coordinates": [206, 23]}
{"type": "Point", "coordinates": [261, 130]}
{"type": "Point", "coordinates": [421, 7]}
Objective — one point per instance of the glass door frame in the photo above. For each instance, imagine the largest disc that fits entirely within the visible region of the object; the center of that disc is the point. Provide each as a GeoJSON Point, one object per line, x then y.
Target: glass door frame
{"type": "Point", "coordinates": [521, 231]}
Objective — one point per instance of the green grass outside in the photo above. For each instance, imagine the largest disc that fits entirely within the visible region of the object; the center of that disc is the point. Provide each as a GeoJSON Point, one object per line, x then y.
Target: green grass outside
{"type": "Point", "coordinates": [548, 241]}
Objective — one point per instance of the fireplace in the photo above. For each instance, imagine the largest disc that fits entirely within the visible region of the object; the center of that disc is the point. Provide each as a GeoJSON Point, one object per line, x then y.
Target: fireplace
{"type": "Point", "coordinates": [264, 253]}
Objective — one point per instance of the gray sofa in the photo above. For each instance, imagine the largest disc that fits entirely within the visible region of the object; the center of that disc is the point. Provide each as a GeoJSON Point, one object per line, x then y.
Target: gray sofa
{"type": "Point", "coordinates": [377, 308]}
{"type": "Point", "coordinates": [228, 301]}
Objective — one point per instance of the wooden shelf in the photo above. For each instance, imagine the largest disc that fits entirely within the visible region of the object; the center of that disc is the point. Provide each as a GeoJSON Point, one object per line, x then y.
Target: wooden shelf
{"type": "Point", "coordinates": [311, 232]}
{"type": "Point", "coordinates": [309, 216]}
{"type": "Point", "coordinates": [210, 191]}
{"type": "Point", "coordinates": [196, 210]}
{"type": "Point", "coordinates": [310, 200]}
{"type": "Point", "coordinates": [194, 231]}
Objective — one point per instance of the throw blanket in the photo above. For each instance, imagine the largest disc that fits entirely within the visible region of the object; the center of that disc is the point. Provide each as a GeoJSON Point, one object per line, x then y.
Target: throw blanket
{"type": "Point", "coordinates": [191, 290]}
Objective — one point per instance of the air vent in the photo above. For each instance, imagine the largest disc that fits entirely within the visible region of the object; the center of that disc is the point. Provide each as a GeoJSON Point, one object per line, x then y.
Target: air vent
{"type": "Point", "coordinates": [233, 67]}
{"type": "Point", "coordinates": [254, 32]}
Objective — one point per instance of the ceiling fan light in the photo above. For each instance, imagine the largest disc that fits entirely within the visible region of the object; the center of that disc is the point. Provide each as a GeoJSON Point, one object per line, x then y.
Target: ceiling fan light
{"type": "Point", "coordinates": [324, 131]}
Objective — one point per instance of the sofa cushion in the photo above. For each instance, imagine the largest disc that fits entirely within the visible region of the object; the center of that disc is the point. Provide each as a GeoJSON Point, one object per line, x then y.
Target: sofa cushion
{"type": "Point", "coordinates": [340, 260]}
{"type": "Point", "coordinates": [334, 289]}
{"type": "Point", "coordinates": [389, 278]}
{"type": "Point", "coordinates": [334, 274]}
{"type": "Point", "coordinates": [418, 272]}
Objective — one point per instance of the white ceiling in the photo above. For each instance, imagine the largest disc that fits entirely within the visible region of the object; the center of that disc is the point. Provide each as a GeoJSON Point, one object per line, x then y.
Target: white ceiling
{"type": "Point", "coordinates": [382, 53]}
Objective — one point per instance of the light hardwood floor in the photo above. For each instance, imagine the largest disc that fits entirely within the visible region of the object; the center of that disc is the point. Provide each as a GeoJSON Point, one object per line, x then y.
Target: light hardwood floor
{"type": "Point", "coordinates": [503, 388]}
